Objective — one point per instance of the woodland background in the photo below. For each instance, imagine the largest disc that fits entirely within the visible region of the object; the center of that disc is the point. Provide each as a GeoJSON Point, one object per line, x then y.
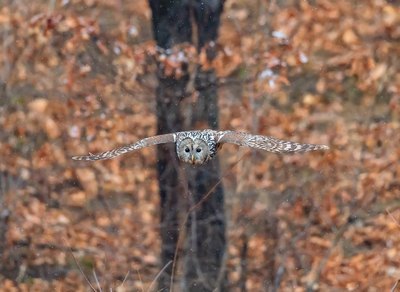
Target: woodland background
{"type": "Point", "coordinates": [80, 75]}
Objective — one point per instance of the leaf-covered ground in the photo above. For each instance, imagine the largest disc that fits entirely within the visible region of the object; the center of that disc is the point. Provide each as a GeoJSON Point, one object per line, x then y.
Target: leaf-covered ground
{"type": "Point", "coordinates": [79, 76]}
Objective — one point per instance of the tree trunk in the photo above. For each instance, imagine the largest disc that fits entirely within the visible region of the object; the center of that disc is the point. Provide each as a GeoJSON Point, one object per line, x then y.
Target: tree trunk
{"type": "Point", "coordinates": [206, 225]}
{"type": "Point", "coordinates": [206, 242]}
{"type": "Point", "coordinates": [169, 94]}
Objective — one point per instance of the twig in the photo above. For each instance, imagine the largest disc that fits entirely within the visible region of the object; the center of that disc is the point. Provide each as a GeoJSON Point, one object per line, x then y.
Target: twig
{"type": "Point", "coordinates": [395, 287]}
{"type": "Point", "coordinates": [193, 228]}
{"type": "Point", "coordinates": [80, 269]}
{"type": "Point", "coordinates": [317, 272]}
{"type": "Point", "coordinates": [123, 281]}
{"type": "Point", "coordinates": [140, 279]}
{"type": "Point", "coordinates": [180, 237]}
{"type": "Point", "coordinates": [391, 216]}
{"type": "Point", "coordinates": [158, 275]}
{"type": "Point", "coordinates": [278, 277]}
{"type": "Point", "coordinates": [97, 280]}
{"type": "Point", "coordinates": [221, 272]}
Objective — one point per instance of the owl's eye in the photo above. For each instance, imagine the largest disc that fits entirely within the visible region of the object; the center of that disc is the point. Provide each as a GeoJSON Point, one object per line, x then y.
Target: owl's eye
{"type": "Point", "coordinates": [198, 150]}
{"type": "Point", "coordinates": [187, 150]}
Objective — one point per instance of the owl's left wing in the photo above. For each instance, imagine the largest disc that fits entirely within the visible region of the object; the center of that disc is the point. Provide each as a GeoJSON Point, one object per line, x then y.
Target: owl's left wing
{"type": "Point", "coordinates": [267, 143]}
{"type": "Point", "coordinates": [160, 139]}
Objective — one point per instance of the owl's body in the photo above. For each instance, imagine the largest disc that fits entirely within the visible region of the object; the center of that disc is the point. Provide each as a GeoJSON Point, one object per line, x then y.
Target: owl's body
{"type": "Point", "coordinates": [198, 147]}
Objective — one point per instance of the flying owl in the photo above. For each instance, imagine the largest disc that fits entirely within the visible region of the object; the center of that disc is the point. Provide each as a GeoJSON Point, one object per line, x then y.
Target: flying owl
{"type": "Point", "coordinates": [198, 147]}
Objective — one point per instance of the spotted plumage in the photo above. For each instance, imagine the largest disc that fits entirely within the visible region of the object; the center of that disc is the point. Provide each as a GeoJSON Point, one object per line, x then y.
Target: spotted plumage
{"type": "Point", "coordinates": [198, 147]}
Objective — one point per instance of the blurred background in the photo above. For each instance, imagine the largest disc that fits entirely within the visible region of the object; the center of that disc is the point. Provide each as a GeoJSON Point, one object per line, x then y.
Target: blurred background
{"type": "Point", "coordinates": [81, 75]}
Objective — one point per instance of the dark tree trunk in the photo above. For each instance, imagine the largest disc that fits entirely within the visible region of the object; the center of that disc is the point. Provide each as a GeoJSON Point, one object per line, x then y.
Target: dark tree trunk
{"type": "Point", "coordinates": [206, 242]}
{"type": "Point", "coordinates": [169, 94]}
{"type": "Point", "coordinates": [171, 22]}
{"type": "Point", "coordinates": [171, 25]}
{"type": "Point", "coordinates": [205, 245]}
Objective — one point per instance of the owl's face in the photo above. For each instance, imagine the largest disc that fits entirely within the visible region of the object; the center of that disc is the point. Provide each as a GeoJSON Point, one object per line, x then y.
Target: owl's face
{"type": "Point", "coordinates": [191, 151]}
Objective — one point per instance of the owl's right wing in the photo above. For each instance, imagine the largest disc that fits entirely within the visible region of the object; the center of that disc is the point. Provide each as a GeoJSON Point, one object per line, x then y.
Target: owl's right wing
{"type": "Point", "coordinates": [267, 143]}
{"type": "Point", "coordinates": [154, 140]}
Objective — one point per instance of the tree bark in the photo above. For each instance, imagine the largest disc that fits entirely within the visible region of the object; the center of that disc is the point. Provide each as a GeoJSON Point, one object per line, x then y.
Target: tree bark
{"type": "Point", "coordinates": [206, 242]}
{"type": "Point", "coordinates": [206, 225]}
{"type": "Point", "coordinates": [169, 94]}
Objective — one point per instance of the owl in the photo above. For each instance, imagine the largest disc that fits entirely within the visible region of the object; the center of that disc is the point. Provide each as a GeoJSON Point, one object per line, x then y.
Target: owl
{"type": "Point", "coordinates": [199, 147]}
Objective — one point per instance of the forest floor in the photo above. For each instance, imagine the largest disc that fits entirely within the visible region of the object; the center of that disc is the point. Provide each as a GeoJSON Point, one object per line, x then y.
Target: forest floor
{"type": "Point", "coordinates": [80, 75]}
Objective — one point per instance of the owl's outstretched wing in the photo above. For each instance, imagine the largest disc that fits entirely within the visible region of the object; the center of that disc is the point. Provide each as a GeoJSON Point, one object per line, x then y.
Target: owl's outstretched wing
{"type": "Point", "coordinates": [270, 144]}
{"type": "Point", "coordinates": [160, 139]}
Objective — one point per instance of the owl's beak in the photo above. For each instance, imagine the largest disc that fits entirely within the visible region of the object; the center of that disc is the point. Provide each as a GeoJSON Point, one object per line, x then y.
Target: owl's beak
{"type": "Point", "coordinates": [192, 159]}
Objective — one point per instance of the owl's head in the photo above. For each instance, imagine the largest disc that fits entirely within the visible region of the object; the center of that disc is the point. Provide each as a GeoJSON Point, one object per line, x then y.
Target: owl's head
{"type": "Point", "coordinates": [193, 151]}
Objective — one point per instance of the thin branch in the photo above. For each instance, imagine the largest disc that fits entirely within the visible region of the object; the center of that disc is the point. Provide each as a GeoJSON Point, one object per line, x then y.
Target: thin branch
{"type": "Point", "coordinates": [80, 269]}
{"type": "Point", "coordinates": [140, 279]}
{"type": "Point", "coordinates": [158, 275]}
{"type": "Point", "coordinates": [221, 272]}
{"type": "Point", "coordinates": [123, 281]}
{"type": "Point", "coordinates": [180, 237]}
{"type": "Point", "coordinates": [392, 217]}
{"type": "Point", "coordinates": [97, 280]}
{"type": "Point", "coordinates": [395, 288]}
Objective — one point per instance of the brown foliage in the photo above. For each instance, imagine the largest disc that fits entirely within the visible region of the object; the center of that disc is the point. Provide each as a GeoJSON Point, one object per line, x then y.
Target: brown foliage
{"type": "Point", "coordinates": [80, 78]}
